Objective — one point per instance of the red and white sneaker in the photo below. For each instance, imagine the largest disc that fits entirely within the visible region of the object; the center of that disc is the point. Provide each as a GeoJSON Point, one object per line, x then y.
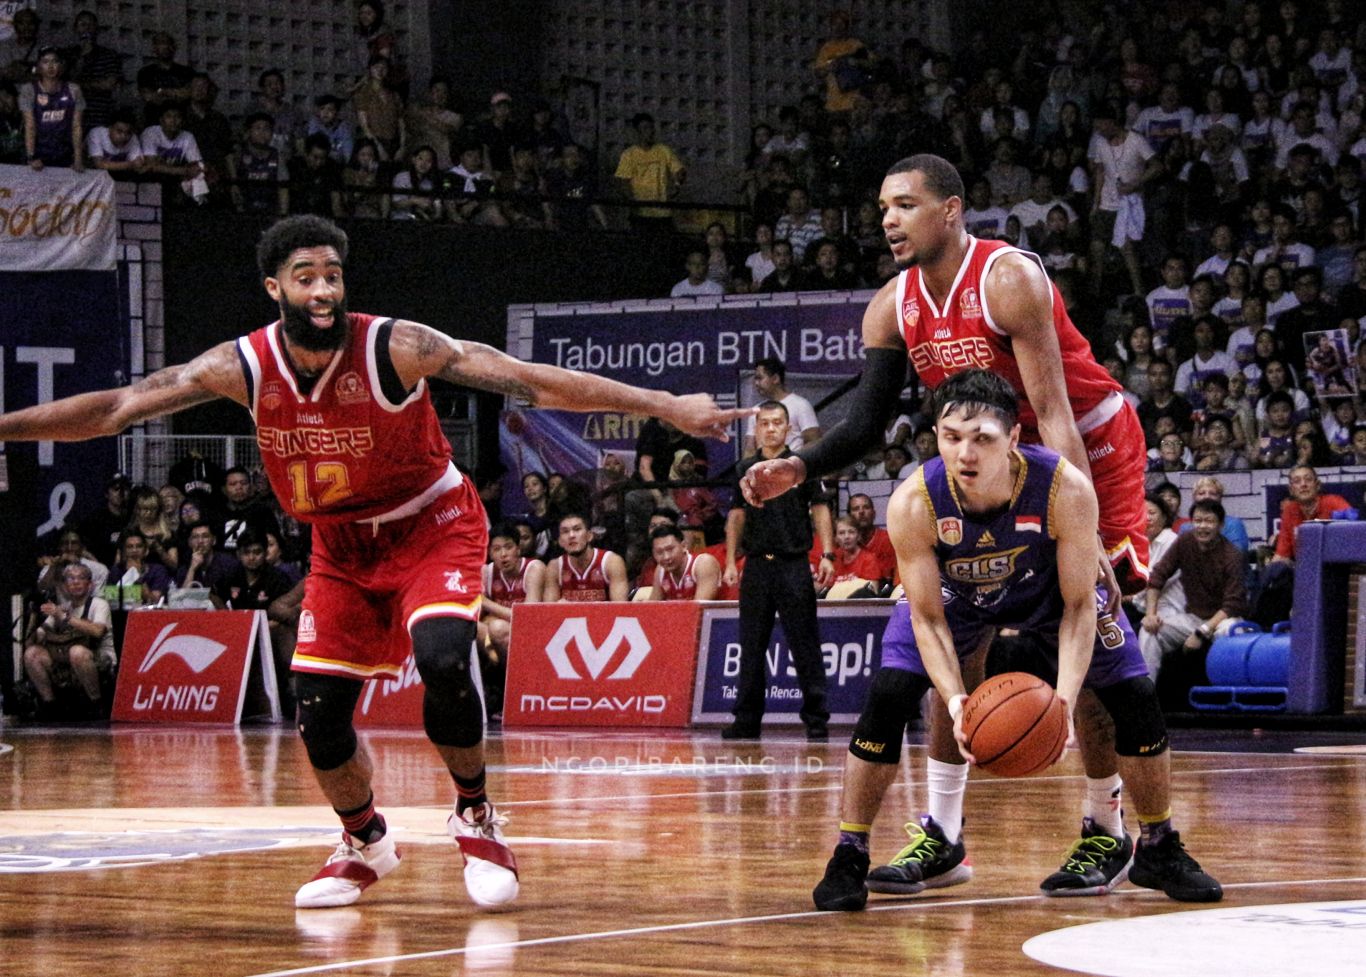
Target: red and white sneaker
{"type": "Point", "coordinates": [350, 870]}
{"type": "Point", "coordinates": [490, 867]}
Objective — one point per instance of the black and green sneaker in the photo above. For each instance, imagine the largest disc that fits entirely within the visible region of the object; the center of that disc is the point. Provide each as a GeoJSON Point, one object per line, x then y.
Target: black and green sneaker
{"type": "Point", "coordinates": [1096, 864]}
{"type": "Point", "coordinates": [1166, 866]}
{"type": "Point", "coordinates": [928, 862]}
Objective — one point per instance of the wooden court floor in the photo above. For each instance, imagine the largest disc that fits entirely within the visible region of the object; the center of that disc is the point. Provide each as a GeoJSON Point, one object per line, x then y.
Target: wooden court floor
{"type": "Point", "coordinates": [177, 852]}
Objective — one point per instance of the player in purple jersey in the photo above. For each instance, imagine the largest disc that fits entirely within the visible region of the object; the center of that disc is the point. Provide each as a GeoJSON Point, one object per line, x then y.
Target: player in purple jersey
{"type": "Point", "coordinates": [991, 535]}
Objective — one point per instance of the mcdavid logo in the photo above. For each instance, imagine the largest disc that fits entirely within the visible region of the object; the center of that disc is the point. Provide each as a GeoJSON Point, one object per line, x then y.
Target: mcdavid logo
{"type": "Point", "coordinates": [194, 650]}
{"type": "Point", "coordinates": [573, 631]}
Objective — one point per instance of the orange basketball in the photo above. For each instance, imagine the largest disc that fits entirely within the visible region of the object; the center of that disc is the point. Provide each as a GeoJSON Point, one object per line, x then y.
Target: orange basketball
{"type": "Point", "coordinates": [1015, 724]}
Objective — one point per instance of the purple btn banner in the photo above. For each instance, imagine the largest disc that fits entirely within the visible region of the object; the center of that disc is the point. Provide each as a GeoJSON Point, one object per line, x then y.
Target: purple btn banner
{"type": "Point", "coordinates": [851, 643]}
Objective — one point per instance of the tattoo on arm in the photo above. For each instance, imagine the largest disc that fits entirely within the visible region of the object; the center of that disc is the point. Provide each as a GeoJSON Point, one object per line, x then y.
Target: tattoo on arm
{"type": "Point", "coordinates": [475, 365]}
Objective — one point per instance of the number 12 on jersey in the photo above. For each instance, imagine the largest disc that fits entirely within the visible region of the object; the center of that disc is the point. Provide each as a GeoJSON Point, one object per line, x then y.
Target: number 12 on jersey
{"type": "Point", "coordinates": [331, 483]}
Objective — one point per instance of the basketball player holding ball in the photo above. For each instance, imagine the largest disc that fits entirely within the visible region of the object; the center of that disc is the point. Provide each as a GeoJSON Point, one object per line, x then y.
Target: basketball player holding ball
{"type": "Point", "coordinates": [995, 534]}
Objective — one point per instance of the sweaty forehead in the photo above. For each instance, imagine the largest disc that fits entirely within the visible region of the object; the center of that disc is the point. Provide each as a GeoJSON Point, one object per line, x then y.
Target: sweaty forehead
{"type": "Point", "coordinates": [980, 423]}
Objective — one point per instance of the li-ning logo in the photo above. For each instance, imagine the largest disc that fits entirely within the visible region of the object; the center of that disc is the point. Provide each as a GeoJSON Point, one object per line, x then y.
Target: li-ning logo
{"type": "Point", "coordinates": [595, 657]}
{"type": "Point", "coordinates": [194, 650]}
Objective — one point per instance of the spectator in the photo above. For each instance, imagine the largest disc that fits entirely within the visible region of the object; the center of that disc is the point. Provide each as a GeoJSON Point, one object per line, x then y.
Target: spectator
{"type": "Point", "coordinates": [583, 572]}
{"type": "Point", "coordinates": [786, 276]}
{"type": "Point", "coordinates": [499, 135]}
{"type": "Point", "coordinates": [696, 504]}
{"type": "Point", "coordinates": [843, 64]}
{"type": "Point", "coordinates": [983, 218]}
{"type": "Point", "coordinates": [54, 130]}
{"type": "Point", "coordinates": [380, 41]}
{"type": "Point", "coordinates": [205, 566]}
{"type": "Point", "coordinates": [360, 181]}
{"type": "Point", "coordinates": [253, 583]}
{"type": "Point", "coordinates": [11, 125]}
{"type": "Point", "coordinates": [1284, 249]}
{"type": "Point", "coordinates": [828, 273]}
{"type": "Point", "coordinates": [853, 563]}
{"type": "Point", "coordinates": [146, 517]}
{"type": "Point", "coordinates": [1218, 404]}
{"type": "Point", "coordinates": [134, 580]}
{"type": "Point", "coordinates": [1160, 538]}
{"type": "Point", "coordinates": [291, 570]}
{"type": "Point", "coordinates": [1212, 571]}
{"type": "Point", "coordinates": [650, 172]}
{"type": "Point", "coordinates": [1121, 163]}
{"type": "Point", "coordinates": [721, 259]}
{"type": "Point", "coordinates": [1162, 401]}
{"type": "Point", "coordinates": [260, 171]}
{"type": "Point", "coordinates": [327, 121]}
{"type": "Point", "coordinates": [315, 180]}
{"type": "Point", "coordinates": [1234, 529]}
{"type": "Point", "coordinates": [419, 175]}
{"type": "Point", "coordinates": [872, 538]}
{"type": "Point", "coordinates": [1208, 360]}
{"type": "Point", "coordinates": [242, 510]}
{"type": "Point", "coordinates": [1225, 251]}
{"type": "Point", "coordinates": [1033, 212]}
{"type": "Point", "coordinates": [1338, 423]}
{"type": "Point", "coordinates": [524, 190]}
{"type": "Point", "coordinates": [1302, 132]}
{"type": "Point", "coordinates": [116, 147]}
{"type": "Point", "coordinates": [1277, 377]}
{"type": "Point", "coordinates": [1138, 355]}
{"type": "Point", "coordinates": [1306, 503]}
{"type": "Point", "coordinates": [545, 136]}
{"type": "Point", "coordinates": [163, 81]}
{"type": "Point", "coordinates": [102, 528]}
{"type": "Point", "coordinates": [174, 154]}
{"type": "Point", "coordinates": [473, 186]}
{"type": "Point", "coordinates": [696, 283]}
{"type": "Point", "coordinates": [1171, 453]}
{"type": "Point", "coordinates": [1243, 312]}
{"type": "Point", "coordinates": [19, 51]}
{"type": "Point", "coordinates": [894, 464]}
{"type": "Point", "coordinates": [1357, 456]}
{"type": "Point", "coordinates": [1217, 451]}
{"type": "Point", "coordinates": [1311, 447]}
{"type": "Point", "coordinates": [1170, 301]}
{"type": "Point", "coordinates": [73, 644]}
{"type": "Point", "coordinates": [680, 574]}
{"type": "Point", "coordinates": [800, 224]}
{"type": "Point", "coordinates": [770, 380]}
{"type": "Point", "coordinates": [1275, 448]}
{"type": "Point", "coordinates": [1166, 122]}
{"type": "Point", "coordinates": [435, 122]}
{"type": "Point", "coordinates": [287, 122]}
{"type": "Point", "coordinates": [97, 69]}
{"type": "Point", "coordinates": [1310, 314]}
{"type": "Point", "coordinates": [1337, 261]}
{"type": "Point", "coordinates": [790, 140]}
{"type": "Point", "coordinates": [1010, 182]}
{"type": "Point", "coordinates": [572, 186]}
{"type": "Point", "coordinates": [70, 549]}
{"type": "Point", "coordinates": [379, 110]}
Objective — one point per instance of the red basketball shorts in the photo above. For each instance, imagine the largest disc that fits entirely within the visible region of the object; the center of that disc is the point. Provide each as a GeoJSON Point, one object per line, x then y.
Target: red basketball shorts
{"type": "Point", "coordinates": [370, 584]}
{"type": "Point", "coordinates": [1118, 457]}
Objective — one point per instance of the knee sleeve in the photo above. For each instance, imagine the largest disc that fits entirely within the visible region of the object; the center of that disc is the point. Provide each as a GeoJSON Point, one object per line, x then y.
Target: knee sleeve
{"type": "Point", "coordinates": [1140, 728]}
{"type": "Point", "coordinates": [326, 704]}
{"type": "Point", "coordinates": [451, 710]}
{"type": "Point", "coordinates": [893, 701]}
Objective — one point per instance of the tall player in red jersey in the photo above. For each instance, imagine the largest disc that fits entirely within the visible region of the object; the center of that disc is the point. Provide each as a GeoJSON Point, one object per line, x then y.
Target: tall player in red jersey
{"type": "Point", "coordinates": [352, 445]}
{"type": "Point", "coordinates": [959, 303]}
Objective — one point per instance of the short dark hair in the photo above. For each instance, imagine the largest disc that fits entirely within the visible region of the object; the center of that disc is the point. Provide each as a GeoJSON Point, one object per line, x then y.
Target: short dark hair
{"type": "Point", "coordinates": [261, 78]}
{"type": "Point", "coordinates": [659, 532]}
{"type": "Point", "coordinates": [775, 405]}
{"type": "Point", "coordinates": [256, 117]}
{"type": "Point", "coordinates": [941, 177]}
{"type": "Point", "coordinates": [1280, 397]}
{"type": "Point", "coordinates": [322, 100]}
{"type": "Point", "coordinates": [317, 140]}
{"type": "Point", "coordinates": [1154, 499]}
{"type": "Point", "coordinates": [773, 365]}
{"type": "Point", "coordinates": [251, 537]}
{"type": "Point", "coordinates": [505, 530]}
{"type": "Point", "coordinates": [665, 511]}
{"type": "Point", "coordinates": [1212, 506]}
{"type": "Point", "coordinates": [1219, 380]}
{"type": "Point", "coordinates": [286, 236]}
{"type": "Point", "coordinates": [559, 523]}
{"type": "Point", "coordinates": [975, 391]}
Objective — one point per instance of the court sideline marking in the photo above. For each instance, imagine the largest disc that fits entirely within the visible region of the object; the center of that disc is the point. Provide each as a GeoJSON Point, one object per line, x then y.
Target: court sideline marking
{"type": "Point", "coordinates": [732, 921]}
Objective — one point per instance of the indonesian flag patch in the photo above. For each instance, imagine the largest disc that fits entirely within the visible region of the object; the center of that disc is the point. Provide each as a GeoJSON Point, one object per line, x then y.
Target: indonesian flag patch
{"type": "Point", "coordinates": [1028, 524]}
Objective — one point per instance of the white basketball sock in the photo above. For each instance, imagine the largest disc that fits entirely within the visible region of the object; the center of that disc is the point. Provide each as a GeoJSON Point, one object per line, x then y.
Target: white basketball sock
{"type": "Point", "coordinates": [947, 783]}
{"type": "Point", "coordinates": [1103, 804]}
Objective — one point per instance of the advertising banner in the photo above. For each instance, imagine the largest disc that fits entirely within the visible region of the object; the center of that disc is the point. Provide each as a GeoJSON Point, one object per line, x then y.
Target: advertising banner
{"type": "Point", "coordinates": [601, 664]}
{"type": "Point", "coordinates": [194, 667]}
{"type": "Point", "coordinates": [56, 220]}
{"type": "Point", "coordinates": [851, 643]}
{"type": "Point", "coordinates": [396, 703]}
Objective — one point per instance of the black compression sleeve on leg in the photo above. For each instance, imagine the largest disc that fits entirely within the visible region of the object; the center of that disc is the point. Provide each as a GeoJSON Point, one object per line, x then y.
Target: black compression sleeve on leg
{"type": "Point", "coordinates": [893, 700]}
{"type": "Point", "coordinates": [451, 710]}
{"type": "Point", "coordinates": [326, 704]}
{"type": "Point", "coordinates": [1140, 727]}
{"type": "Point", "coordinates": [871, 405]}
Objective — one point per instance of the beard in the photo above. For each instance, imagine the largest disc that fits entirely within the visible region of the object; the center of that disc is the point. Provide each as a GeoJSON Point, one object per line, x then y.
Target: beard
{"type": "Point", "coordinates": [300, 330]}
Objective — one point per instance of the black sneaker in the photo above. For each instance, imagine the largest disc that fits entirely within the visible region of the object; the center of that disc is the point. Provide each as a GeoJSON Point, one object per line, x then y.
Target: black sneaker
{"type": "Point", "coordinates": [1166, 866]}
{"type": "Point", "coordinates": [735, 731]}
{"type": "Point", "coordinates": [928, 862]}
{"type": "Point", "coordinates": [1096, 864]}
{"type": "Point", "coordinates": [842, 889]}
{"type": "Point", "coordinates": [818, 733]}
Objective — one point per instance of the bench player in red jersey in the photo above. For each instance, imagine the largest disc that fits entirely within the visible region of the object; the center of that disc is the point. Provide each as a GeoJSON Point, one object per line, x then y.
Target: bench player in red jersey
{"type": "Point", "coordinates": [351, 444]}
{"type": "Point", "coordinates": [958, 303]}
{"type": "Point", "coordinates": [679, 574]}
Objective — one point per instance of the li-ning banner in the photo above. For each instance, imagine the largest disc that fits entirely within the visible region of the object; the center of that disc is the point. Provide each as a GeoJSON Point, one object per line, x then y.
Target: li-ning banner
{"type": "Point", "coordinates": [56, 220]}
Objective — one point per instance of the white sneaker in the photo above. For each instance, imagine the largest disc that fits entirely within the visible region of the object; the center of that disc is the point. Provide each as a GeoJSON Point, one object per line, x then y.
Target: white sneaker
{"type": "Point", "coordinates": [490, 867]}
{"type": "Point", "coordinates": [350, 870]}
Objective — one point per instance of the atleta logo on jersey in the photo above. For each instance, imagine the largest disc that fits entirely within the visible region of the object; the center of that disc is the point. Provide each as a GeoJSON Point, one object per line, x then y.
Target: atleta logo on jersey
{"type": "Point", "coordinates": [986, 568]}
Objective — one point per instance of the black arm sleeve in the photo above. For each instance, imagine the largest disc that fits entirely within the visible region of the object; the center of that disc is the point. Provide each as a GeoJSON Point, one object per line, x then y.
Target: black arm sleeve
{"type": "Point", "coordinates": [871, 406]}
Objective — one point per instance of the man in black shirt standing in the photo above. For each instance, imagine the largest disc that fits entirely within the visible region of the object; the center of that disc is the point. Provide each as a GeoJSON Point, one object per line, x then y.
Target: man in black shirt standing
{"type": "Point", "coordinates": [777, 539]}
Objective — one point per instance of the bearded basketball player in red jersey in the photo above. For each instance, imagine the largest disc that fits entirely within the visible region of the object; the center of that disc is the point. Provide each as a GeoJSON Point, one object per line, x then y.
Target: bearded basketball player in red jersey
{"type": "Point", "coordinates": [351, 444]}
{"type": "Point", "coordinates": [961, 302]}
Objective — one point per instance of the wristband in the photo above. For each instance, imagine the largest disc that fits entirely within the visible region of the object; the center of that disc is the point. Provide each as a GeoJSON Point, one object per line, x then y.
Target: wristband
{"type": "Point", "coordinates": [956, 705]}
{"type": "Point", "coordinates": [828, 556]}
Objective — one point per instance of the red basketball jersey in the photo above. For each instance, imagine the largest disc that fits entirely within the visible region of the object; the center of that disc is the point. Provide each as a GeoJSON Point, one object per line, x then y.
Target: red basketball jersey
{"type": "Point", "coordinates": [963, 335]}
{"type": "Point", "coordinates": [508, 590]}
{"type": "Point", "coordinates": [684, 586]}
{"type": "Point", "coordinates": [591, 584]}
{"type": "Point", "coordinates": [343, 451]}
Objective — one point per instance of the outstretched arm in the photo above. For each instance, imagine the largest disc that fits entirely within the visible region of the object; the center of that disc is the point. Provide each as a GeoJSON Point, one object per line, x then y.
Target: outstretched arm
{"type": "Point", "coordinates": [217, 373]}
{"type": "Point", "coordinates": [420, 351]}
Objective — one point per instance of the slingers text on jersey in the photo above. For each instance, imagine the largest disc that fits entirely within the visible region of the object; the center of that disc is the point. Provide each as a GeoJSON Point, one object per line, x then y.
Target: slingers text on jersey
{"type": "Point", "coordinates": [962, 334]}
{"type": "Point", "coordinates": [343, 450]}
